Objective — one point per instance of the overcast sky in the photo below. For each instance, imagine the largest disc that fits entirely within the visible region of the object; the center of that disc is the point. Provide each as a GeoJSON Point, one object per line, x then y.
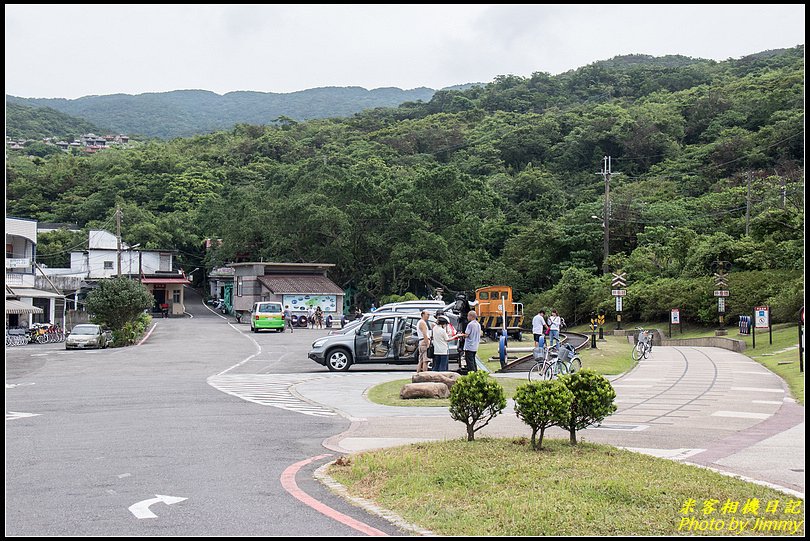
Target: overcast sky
{"type": "Point", "coordinates": [72, 51]}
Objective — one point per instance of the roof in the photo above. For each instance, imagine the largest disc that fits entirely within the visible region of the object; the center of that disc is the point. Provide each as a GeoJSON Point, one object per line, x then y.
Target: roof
{"type": "Point", "coordinates": [167, 280]}
{"type": "Point", "coordinates": [30, 292]}
{"type": "Point", "coordinates": [290, 265]}
{"type": "Point", "coordinates": [17, 307]}
{"type": "Point", "coordinates": [313, 284]}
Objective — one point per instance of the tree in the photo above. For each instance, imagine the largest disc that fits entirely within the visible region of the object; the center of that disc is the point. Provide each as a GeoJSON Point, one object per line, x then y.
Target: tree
{"type": "Point", "coordinates": [593, 400]}
{"type": "Point", "coordinates": [475, 400]}
{"type": "Point", "coordinates": [118, 301]}
{"type": "Point", "coordinates": [541, 405]}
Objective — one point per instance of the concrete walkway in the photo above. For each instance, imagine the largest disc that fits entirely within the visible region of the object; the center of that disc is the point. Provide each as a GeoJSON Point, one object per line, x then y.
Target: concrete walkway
{"type": "Point", "coordinates": [708, 406]}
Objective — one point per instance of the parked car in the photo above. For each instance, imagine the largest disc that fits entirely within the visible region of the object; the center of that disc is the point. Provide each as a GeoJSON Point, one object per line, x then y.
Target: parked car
{"type": "Point", "coordinates": [267, 315]}
{"type": "Point", "coordinates": [88, 336]}
{"type": "Point", "coordinates": [380, 338]}
{"type": "Point", "coordinates": [413, 306]}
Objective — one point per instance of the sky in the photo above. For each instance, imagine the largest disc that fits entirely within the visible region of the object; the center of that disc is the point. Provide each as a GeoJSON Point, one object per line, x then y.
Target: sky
{"type": "Point", "coordinates": [72, 51]}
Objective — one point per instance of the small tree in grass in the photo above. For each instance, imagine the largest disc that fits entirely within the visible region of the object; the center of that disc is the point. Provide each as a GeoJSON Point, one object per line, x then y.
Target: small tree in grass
{"type": "Point", "coordinates": [593, 400]}
{"type": "Point", "coordinates": [475, 400]}
{"type": "Point", "coordinates": [118, 301]}
{"type": "Point", "coordinates": [541, 405]}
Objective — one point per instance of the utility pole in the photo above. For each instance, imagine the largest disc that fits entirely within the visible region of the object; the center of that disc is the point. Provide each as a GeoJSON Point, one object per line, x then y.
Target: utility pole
{"type": "Point", "coordinates": [606, 173]}
{"type": "Point", "coordinates": [748, 205]}
{"type": "Point", "coordinates": [118, 236]}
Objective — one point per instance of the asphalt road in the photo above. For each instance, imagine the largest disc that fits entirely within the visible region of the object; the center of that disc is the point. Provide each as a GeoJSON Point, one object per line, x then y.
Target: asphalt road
{"type": "Point", "coordinates": [115, 427]}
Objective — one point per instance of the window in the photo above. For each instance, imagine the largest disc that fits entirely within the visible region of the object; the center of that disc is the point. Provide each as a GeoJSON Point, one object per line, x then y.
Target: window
{"type": "Point", "coordinates": [9, 250]}
{"type": "Point", "coordinates": [238, 286]}
{"type": "Point", "coordinates": [108, 264]}
{"type": "Point", "coordinates": [484, 295]}
{"type": "Point", "coordinates": [176, 296]}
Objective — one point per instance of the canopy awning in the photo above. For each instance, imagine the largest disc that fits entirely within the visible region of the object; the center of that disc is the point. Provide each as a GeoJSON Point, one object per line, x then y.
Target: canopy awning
{"type": "Point", "coordinates": [175, 280]}
{"type": "Point", "coordinates": [31, 293]}
{"type": "Point", "coordinates": [18, 307]}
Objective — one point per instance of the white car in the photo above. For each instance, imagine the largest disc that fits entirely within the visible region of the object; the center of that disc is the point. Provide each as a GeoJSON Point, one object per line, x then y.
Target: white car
{"type": "Point", "coordinates": [86, 336]}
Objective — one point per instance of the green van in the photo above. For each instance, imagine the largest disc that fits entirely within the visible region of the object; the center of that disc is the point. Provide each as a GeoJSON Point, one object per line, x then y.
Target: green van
{"type": "Point", "coordinates": [267, 315]}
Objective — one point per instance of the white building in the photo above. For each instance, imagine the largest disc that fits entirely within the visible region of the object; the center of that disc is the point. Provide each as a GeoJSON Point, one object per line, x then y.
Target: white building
{"type": "Point", "coordinates": [26, 304]}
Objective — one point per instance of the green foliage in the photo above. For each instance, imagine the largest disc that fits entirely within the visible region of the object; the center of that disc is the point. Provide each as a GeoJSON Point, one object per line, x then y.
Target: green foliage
{"type": "Point", "coordinates": [489, 184]}
{"type": "Point", "coordinates": [131, 330]}
{"type": "Point", "coordinates": [593, 400]}
{"type": "Point", "coordinates": [26, 122]}
{"type": "Point", "coordinates": [118, 301]}
{"type": "Point", "coordinates": [475, 400]}
{"type": "Point", "coordinates": [54, 247]}
{"type": "Point", "coordinates": [541, 405]}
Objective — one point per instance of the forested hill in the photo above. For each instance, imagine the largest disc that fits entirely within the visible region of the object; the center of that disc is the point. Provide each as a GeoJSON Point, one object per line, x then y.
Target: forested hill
{"type": "Point", "coordinates": [488, 185]}
{"type": "Point", "coordinates": [188, 112]}
{"type": "Point", "coordinates": [24, 122]}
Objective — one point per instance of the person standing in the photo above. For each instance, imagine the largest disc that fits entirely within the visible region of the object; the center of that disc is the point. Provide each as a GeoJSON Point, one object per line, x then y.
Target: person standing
{"type": "Point", "coordinates": [441, 346]}
{"type": "Point", "coordinates": [311, 317]}
{"type": "Point", "coordinates": [423, 333]}
{"type": "Point", "coordinates": [539, 329]}
{"type": "Point", "coordinates": [288, 317]}
{"type": "Point", "coordinates": [554, 323]}
{"type": "Point", "coordinates": [319, 317]}
{"type": "Point", "coordinates": [472, 338]}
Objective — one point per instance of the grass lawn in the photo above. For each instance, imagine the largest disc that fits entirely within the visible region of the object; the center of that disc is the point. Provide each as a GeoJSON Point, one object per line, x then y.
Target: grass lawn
{"type": "Point", "coordinates": [502, 487]}
{"type": "Point", "coordinates": [387, 394]}
{"type": "Point", "coordinates": [611, 356]}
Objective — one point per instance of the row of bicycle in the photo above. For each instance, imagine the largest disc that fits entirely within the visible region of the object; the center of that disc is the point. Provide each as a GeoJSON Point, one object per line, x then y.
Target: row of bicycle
{"type": "Point", "coordinates": [39, 333]}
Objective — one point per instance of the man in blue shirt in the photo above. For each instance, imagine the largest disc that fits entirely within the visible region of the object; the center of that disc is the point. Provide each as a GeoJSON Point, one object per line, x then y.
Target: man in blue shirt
{"type": "Point", "coordinates": [472, 337]}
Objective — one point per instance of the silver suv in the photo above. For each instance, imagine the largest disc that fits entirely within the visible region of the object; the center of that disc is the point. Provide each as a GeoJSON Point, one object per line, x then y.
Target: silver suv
{"type": "Point", "coordinates": [384, 338]}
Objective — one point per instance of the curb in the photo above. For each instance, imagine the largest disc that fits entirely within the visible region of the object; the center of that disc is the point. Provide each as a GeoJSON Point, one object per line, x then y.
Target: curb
{"type": "Point", "coordinates": [367, 505]}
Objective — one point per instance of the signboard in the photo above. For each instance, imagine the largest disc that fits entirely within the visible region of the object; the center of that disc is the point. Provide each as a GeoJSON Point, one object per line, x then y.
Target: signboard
{"type": "Point", "coordinates": [721, 304]}
{"type": "Point", "coordinates": [720, 293]}
{"type": "Point", "coordinates": [18, 263]}
{"type": "Point", "coordinates": [302, 303]}
{"type": "Point", "coordinates": [618, 292]}
{"type": "Point", "coordinates": [618, 304]}
{"type": "Point", "coordinates": [601, 319]}
{"type": "Point", "coordinates": [761, 317]}
{"type": "Point", "coordinates": [675, 316]}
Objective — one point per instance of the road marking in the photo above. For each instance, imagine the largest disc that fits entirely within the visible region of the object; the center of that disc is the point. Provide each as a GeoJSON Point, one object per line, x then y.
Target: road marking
{"type": "Point", "coordinates": [148, 334]}
{"type": "Point", "coordinates": [626, 428]}
{"type": "Point", "coordinates": [757, 389]}
{"type": "Point", "coordinates": [671, 454]}
{"type": "Point", "coordinates": [39, 355]}
{"type": "Point", "coordinates": [269, 390]}
{"type": "Point", "coordinates": [741, 414]}
{"type": "Point", "coordinates": [12, 385]}
{"type": "Point", "coordinates": [124, 475]}
{"type": "Point", "coordinates": [141, 509]}
{"type": "Point", "coordinates": [289, 484]}
{"type": "Point", "coordinates": [12, 415]}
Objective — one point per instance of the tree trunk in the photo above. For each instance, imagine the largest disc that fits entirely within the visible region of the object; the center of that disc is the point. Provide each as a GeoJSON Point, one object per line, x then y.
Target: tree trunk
{"type": "Point", "coordinates": [470, 433]}
{"type": "Point", "coordinates": [573, 432]}
{"type": "Point", "coordinates": [534, 439]}
{"type": "Point", "coordinates": [540, 441]}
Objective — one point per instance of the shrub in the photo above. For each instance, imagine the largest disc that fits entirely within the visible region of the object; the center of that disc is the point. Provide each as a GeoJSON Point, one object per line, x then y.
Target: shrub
{"type": "Point", "coordinates": [131, 331]}
{"type": "Point", "coordinates": [118, 301]}
{"type": "Point", "coordinates": [593, 400]}
{"type": "Point", "coordinates": [475, 400]}
{"type": "Point", "coordinates": [542, 405]}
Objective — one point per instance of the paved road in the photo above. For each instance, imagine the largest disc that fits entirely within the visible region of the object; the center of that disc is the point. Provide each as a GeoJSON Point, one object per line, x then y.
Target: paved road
{"type": "Point", "coordinates": [115, 427]}
{"type": "Point", "coordinates": [206, 410]}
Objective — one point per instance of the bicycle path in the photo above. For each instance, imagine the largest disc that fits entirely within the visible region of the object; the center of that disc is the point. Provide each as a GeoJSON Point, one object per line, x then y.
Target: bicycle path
{"type": "Point", "coordinates": [707, 406]}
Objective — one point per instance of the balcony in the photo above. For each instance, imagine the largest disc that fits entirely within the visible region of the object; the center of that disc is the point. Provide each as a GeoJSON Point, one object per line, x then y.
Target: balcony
{"type": "Point", "coordinates": [20, 279]}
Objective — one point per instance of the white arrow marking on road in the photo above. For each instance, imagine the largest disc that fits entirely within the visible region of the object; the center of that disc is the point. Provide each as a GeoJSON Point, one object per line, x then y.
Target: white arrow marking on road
{"type": "Point", "coordinates": [12, 385]}
{"type": "Point", "coordinates": [141, 509]}
{"type": "Point", "coordinates": [11, 415]}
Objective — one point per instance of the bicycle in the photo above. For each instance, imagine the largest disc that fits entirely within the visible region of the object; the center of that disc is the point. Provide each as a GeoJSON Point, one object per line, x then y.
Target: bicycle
{"type": "Point", "coordinates": [568, 355]}
{"type": "Point", "coordinates": [547, 367]}
{"type": "Point", "coordinates": [643, 346]}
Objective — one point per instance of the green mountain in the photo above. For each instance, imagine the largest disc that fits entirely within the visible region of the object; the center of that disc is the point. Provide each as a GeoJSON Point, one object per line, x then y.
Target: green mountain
{"type": "Point", "coordinates": [495, 184]}
{"type": "Point", "coordinates": [188, 112]}
{"type": "Point", "coordinates": [24, 122]}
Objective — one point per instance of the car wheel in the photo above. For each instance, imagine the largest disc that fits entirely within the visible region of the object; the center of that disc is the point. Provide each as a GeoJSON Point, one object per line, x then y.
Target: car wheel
{"type": "Point", "coordinates": [338, 360]}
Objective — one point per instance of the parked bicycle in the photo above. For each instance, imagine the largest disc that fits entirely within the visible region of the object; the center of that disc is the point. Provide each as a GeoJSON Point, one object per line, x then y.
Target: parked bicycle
{"type": "Point", "coordinates": [547, 366]}
{"type": "Point", "coordinates": [643, 346]}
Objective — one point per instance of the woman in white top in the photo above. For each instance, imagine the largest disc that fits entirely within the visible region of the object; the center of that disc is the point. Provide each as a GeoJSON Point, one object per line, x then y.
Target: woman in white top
{"type": "Point", "coordinates": [441, 346]}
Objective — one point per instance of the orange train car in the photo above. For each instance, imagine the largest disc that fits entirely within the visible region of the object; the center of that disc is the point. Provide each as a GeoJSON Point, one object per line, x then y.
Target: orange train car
{"type": "Point", "coordinates": [491, 303]}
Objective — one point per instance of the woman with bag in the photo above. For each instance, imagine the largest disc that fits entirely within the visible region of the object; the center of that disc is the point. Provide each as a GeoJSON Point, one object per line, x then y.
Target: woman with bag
{"type": "Point", "coordinates": [441, 355]}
